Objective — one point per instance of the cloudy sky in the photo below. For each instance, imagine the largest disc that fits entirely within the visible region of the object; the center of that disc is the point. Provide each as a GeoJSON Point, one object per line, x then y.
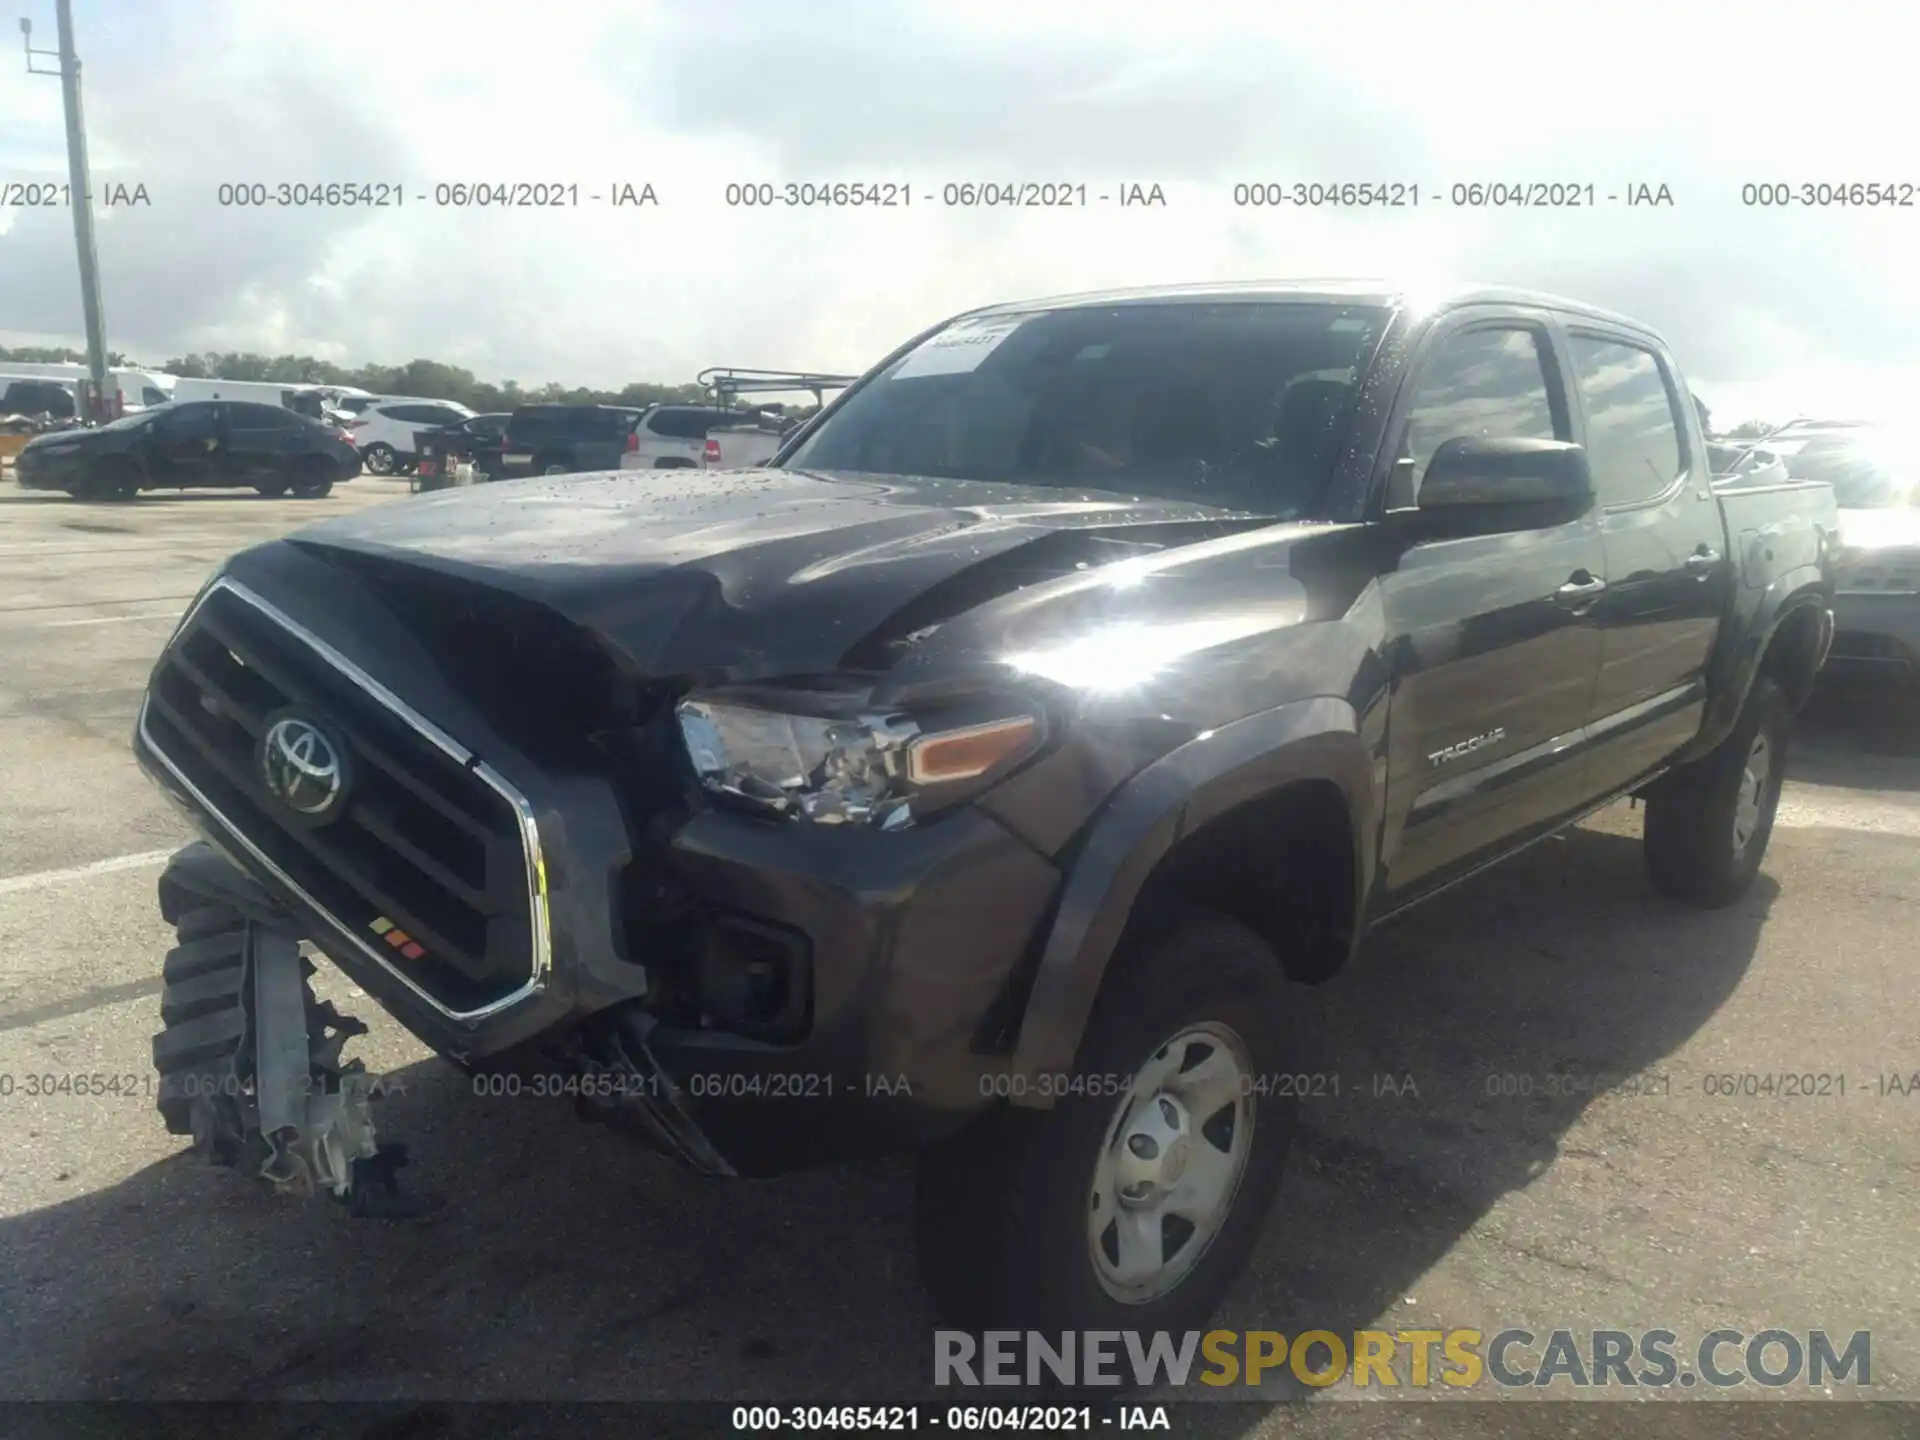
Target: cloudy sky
{"type": "Point", "coordinates": [1771, 310]}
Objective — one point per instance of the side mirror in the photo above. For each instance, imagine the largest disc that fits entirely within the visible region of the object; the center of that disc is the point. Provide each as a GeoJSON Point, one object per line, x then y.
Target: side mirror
{"type": "Point", "coordinates": [1484, 485]}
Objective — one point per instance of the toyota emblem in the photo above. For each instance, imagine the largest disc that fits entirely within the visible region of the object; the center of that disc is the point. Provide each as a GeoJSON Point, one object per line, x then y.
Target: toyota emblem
{"type": "Point", "coordinates": [304, 767]}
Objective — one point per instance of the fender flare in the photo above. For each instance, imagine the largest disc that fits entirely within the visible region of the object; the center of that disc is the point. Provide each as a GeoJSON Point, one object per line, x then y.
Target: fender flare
{"type": "Point", "coordinates": [1802, 588]}
{"type": "Point", "coordinates": [1315, 739]}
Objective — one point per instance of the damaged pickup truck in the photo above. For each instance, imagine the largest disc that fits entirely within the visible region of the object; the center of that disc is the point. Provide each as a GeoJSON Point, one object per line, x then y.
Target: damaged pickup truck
{"type": "Point", "coordinates": [980, 778]}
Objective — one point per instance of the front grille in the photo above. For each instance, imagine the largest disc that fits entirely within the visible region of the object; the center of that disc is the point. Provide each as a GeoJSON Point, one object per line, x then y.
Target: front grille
{"type": "Point", "coordinates": [426, 845]}
{"type": "Point", "coordinates": [1887, 580]}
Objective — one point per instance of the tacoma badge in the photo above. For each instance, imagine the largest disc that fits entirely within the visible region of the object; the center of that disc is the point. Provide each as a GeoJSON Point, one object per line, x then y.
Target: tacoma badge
{"type": "Point", "coordinates": [1467, 747]}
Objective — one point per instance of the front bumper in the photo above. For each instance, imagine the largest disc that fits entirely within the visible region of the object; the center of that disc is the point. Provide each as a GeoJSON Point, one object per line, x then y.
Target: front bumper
{"type": "Point", "coordinates": [32, 470]}
{"type": "Point", "coordinates": [901, 946]}
{"type": "Point", "coordinates": [1876, 640]}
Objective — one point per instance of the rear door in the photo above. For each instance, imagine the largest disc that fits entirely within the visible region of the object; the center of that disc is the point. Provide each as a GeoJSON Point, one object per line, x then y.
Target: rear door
{"type": "Point", "coordinates": [262, 442]}
{"type": "Point", "coordinates": [1668, 578]}
{"type": "Point", "coordinates": [1490, 641]}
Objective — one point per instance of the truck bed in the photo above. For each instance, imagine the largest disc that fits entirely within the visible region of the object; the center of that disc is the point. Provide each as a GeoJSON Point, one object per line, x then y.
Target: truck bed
{"type": "Point", "coordinates": [1778, 528]}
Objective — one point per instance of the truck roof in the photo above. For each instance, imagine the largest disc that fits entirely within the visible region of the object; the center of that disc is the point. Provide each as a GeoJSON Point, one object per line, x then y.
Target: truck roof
{"type": "Point", "coordinates": [1354, 291]}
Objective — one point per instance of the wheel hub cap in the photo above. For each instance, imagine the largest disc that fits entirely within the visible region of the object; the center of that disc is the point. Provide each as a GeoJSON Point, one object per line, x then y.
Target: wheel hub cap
{"type": "Point", "coordinates": [1154, 1155]}
{"type": "Point", "coordinates": [1753, 792]}
{"type": "Point", "coordinates": [1171, 1164]}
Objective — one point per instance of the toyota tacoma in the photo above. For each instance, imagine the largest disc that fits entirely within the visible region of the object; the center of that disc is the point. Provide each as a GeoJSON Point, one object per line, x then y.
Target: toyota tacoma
{"type": "Point", "coordinates": [980, 777]}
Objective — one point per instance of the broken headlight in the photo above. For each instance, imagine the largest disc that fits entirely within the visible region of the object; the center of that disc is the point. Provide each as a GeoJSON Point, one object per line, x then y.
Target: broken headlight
{"type": "Point", "coordinates": [810, 756]}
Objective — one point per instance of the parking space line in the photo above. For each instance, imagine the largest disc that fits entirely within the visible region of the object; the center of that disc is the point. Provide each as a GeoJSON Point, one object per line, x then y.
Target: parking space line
{"type": "Point", "coordinates": [1867, 814]}
{"type": "Point", "coordinates": [93, 620]}
{"type": "Point", "coordinates": [109, 600]}
{"type": "Point", "coordinates": [79, 1004]}
{"type": "Point", "coordinates": [14, 884]}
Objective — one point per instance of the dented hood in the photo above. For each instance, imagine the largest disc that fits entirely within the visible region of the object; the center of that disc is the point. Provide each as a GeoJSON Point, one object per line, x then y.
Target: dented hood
{"type": "Point", "coordinates": [752, 573]}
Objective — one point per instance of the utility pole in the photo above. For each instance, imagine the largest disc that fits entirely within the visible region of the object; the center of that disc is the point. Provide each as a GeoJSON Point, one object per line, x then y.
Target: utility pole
{"type": "Point", "coordinates": [80, 191]}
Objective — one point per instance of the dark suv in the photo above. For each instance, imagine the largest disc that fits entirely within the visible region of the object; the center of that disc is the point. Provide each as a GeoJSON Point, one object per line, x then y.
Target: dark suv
{"type": "Point", "coordinates": [36, 397]}
{"type": "Point", "coordinates": [563, 439]}
{"type": "Point", "coordinates": [214, 443]}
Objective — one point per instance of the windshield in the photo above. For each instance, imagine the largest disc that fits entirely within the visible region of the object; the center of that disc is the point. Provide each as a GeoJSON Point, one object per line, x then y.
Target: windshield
{"type": "Point", "coordinates": [1864, 477]}
{"type": "Point", "coordinates": [131, 421]}
{"type": "Point", "coordinates": [1241, 406]}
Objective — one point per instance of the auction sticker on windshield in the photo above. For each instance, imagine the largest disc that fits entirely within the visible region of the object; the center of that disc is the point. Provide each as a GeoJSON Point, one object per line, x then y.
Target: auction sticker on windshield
{"type": "Point", "coordinates": [959, 348]}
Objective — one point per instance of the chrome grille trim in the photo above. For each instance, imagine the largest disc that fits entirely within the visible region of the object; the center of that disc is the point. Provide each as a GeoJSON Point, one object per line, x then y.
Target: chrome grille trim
{"type": "Point", "coordinates": [536, 870]}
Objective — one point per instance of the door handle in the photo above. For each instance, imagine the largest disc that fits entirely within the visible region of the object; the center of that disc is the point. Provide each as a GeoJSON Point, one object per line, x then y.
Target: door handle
{"type": "Point", "coordinates": [1703, 560]}
{"type": "Point", "coordinates": [1579, 595]}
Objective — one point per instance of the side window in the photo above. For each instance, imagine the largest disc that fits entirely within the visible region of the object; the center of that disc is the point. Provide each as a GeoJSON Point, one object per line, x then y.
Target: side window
{"type": "Point", "coordinates": [1480, 382]}
{"type": "Point", "coordinates": [679, 424]}
{"type": "Point", "coordinates": [189, 423]}
{"type": "Point", "coordinates": [258, 417]}
{"type": "Point", "coordinates": [35, 397]}
{"type": "Point", "coordinates": [407, 414]}
{"type": "Point", "coordinates": [1633, 435]}
{"type": "Point", "coordinates": [612, 424]}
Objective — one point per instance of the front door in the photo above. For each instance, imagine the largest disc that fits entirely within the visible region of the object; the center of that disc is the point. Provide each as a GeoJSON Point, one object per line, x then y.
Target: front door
{"type": "Point", "coordinates": [185, 446]}
{"type": "Point", "coordinates": [1491, 641]}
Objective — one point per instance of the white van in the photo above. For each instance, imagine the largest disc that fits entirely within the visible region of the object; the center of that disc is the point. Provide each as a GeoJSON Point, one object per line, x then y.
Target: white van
{"type": "Point", "coordinates": [129, 388]}
{"type": "Point", "coordinates": [312, 400]}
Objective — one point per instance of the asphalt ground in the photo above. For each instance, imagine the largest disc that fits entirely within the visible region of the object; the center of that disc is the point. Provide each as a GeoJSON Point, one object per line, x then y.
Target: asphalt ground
{"type": "Point", "coordinates": [1503, 1175]}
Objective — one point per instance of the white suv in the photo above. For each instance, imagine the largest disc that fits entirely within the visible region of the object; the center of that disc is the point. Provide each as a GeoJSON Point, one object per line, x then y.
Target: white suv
{"type": "Point", "coordinates": [674, 437]}
{"type": "Point", "coordinates": [384, 432]}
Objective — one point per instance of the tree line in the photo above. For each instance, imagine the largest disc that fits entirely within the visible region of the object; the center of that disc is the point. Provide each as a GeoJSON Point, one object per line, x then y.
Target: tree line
{"type": "Point", "coordinates": [428, 379]}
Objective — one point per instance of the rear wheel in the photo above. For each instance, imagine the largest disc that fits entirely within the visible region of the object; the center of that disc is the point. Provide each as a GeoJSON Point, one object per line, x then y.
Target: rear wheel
{"type": "Point", "coordinates": [380, 458]}
{"type": "Point", "coordinates": [272, 489]}
{"type": "Point", "coordinates": [1708, 823]}
{"type": "Point", "coordinates": [314, 481]}
{"type": "Point", "coordinates": [552, 465]}
{"type": "Point", "coordinates": [1134, 1202]}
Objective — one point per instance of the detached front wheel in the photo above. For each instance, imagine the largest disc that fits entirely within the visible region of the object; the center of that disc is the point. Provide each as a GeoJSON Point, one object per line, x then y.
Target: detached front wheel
{"type": "Point", "coordinates": [1134, 1202]}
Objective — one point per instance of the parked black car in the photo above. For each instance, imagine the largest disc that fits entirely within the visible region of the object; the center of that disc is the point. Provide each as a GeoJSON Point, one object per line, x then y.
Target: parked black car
{"type": "Point", "coordinates": [981, 777]}
{"type": "Point", "coordinates": [214, 443]}
{"type": "Point", "coordinates": [478, 439]}
{"type": "Point", "coordinates": [566, 439]}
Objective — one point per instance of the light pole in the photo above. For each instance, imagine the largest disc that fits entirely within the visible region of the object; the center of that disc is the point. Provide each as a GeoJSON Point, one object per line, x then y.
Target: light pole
{"type": "Point", "coordinates": [80, 190]}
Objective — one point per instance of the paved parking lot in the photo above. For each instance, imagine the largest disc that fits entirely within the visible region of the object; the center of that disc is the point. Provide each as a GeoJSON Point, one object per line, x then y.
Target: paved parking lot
{"type": "Point", "coordinates": [571, 1265]}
